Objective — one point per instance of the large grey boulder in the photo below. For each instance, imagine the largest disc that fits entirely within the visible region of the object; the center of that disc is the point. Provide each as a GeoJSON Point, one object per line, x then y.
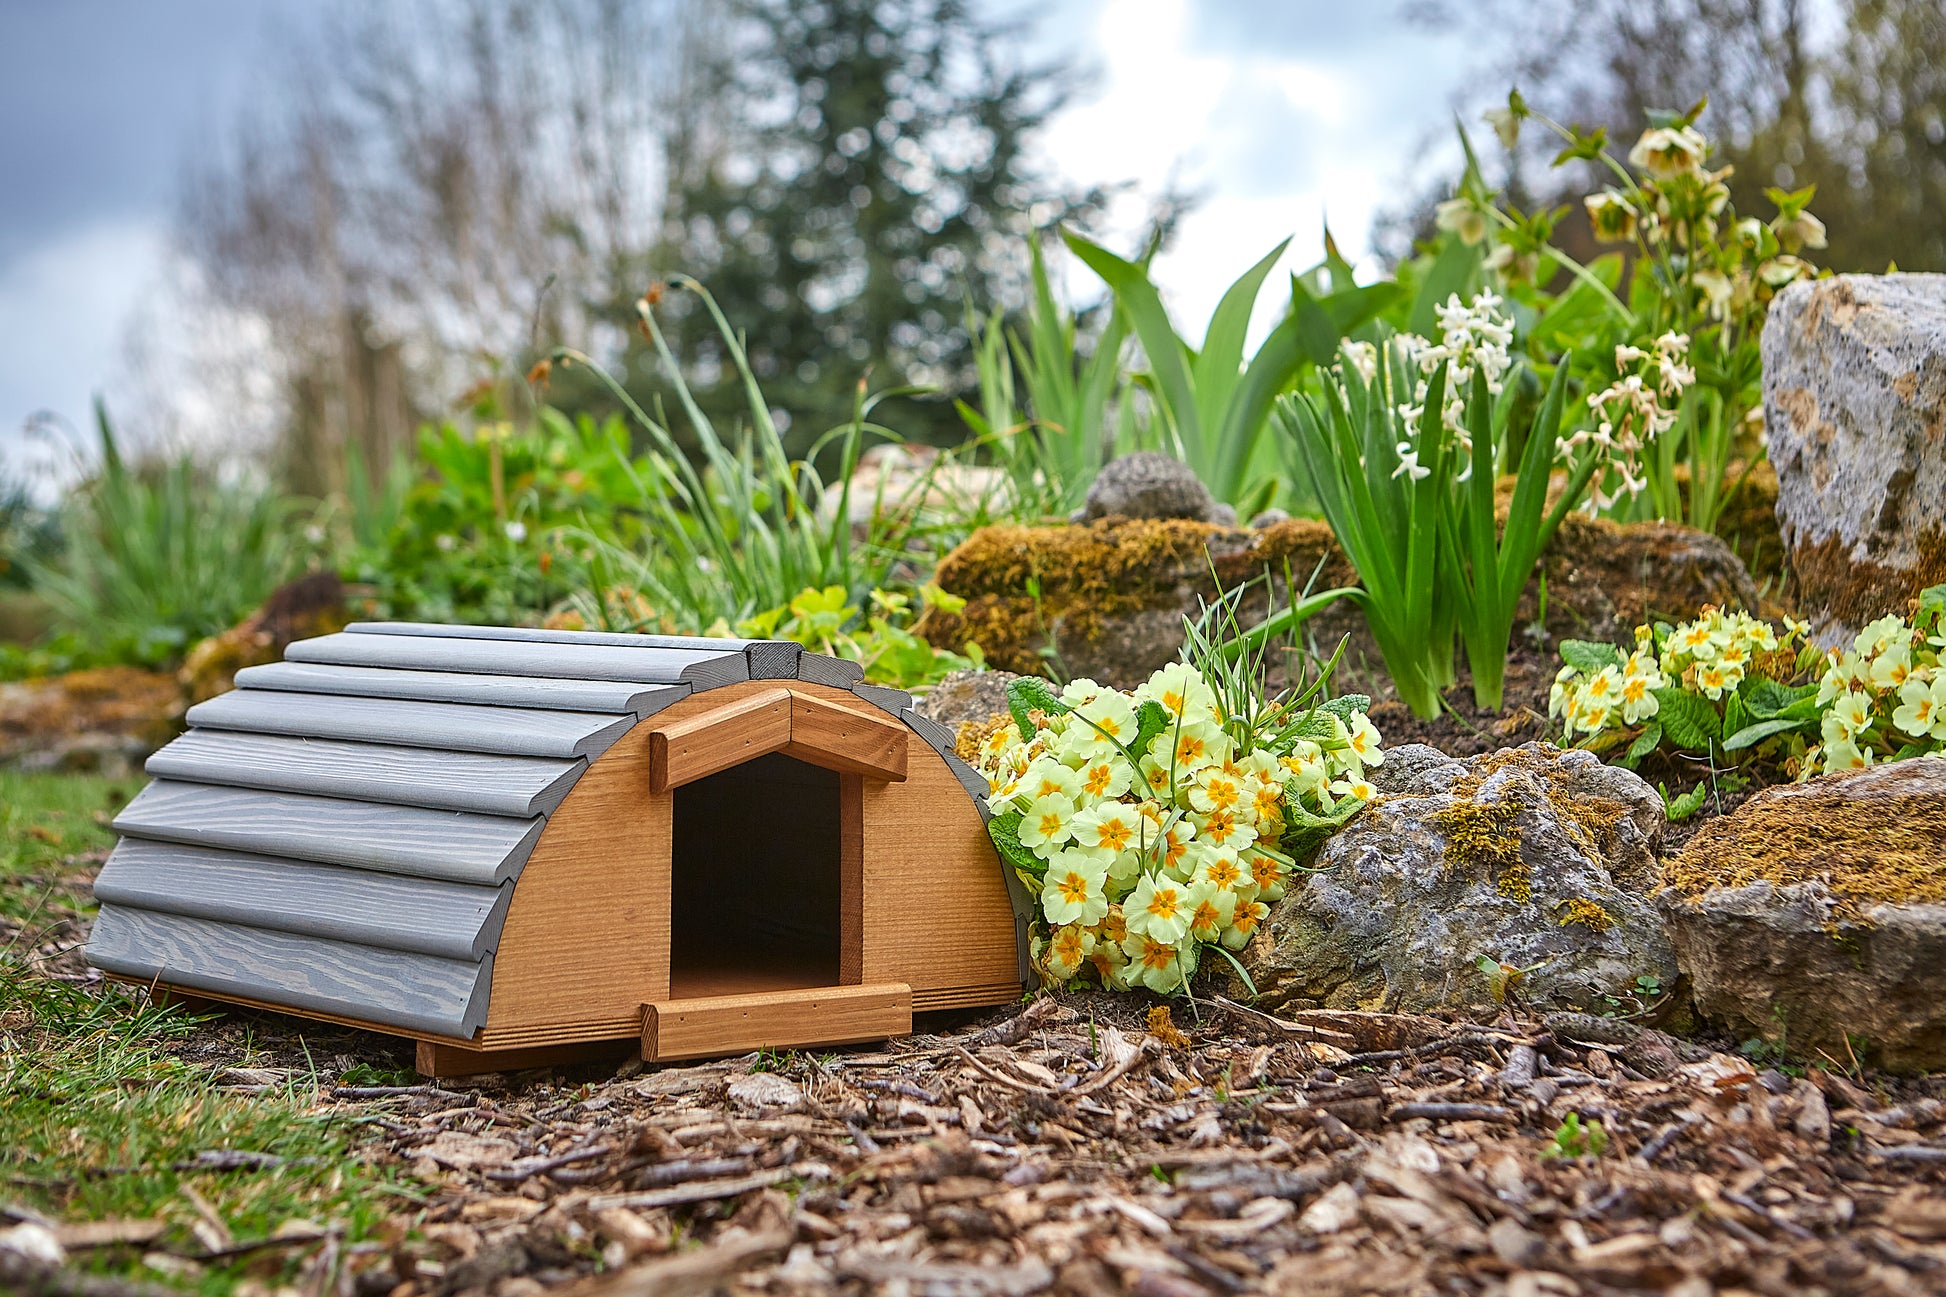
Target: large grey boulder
{"type": "Point", "coordinates": [962, 696]}
{"type": "Point", "coordinates": [1149, 484]}
{"type": "Point", "coordinates": [1814, 915]}
{"type": "Point", "coordinates": [1536, 858]}
{"type": "Point", "coordinates": [1855, 416]}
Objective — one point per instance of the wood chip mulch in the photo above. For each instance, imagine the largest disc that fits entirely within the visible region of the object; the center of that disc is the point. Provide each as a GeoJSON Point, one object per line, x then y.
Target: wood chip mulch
{"type": "Point", "coordinates": [1079, 1148]}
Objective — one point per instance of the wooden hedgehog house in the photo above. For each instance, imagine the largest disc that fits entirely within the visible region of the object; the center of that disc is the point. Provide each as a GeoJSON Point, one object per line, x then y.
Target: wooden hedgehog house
{"type": "Point", "coordinates": [527, 846]}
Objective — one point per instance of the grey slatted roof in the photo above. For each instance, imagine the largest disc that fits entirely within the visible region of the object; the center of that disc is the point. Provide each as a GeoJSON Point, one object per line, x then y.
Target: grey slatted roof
{"type": "Point", "coordinates": [342, 833]}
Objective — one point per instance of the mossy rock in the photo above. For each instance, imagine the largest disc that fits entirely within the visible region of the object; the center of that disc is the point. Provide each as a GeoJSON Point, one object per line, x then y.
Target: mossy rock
{"type": "Point", "coordinates": [1540, 861]}
{"type": "Point", "coordinates": [1107, 599]}
{"type": "Point", "coordinates": [1814, 915]}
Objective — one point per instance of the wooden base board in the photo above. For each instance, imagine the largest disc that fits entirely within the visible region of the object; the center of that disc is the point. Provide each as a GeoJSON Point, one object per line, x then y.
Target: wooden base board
{"type": "Point", "coordinates": [734, 1024]}
{"type": "Point", "coordinates": [445, 1061]}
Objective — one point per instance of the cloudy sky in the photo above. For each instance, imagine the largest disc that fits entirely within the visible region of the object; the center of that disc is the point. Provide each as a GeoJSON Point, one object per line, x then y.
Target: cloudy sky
{"type": "Point", "coordinates": [1278, 113]}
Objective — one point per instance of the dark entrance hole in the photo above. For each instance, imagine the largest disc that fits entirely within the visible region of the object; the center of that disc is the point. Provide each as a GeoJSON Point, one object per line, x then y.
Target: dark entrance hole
{"type": "Point", "coordinates": [754, 884]}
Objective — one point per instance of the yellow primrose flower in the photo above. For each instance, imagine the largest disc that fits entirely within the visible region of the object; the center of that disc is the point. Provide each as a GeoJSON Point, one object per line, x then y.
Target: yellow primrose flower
{"type": "Point", "coordinates": [1215, 791]}
{"type": "Point", "coordinates": [1699, 639]}
{"type": "Point", "coordinates": [1193, 748]}
{"type": "Point", "coordinates": [1891, 667]}
{"type": "Point", "coordinates": [1268, 802]}
{"type": "Point", "coordinates": [1603, 687]}
{"type": "Point", "coordinates": [1113, 927]}
{"type": "Point", "coordinates": [1922, 710]}
{"type": "Point", "coordinates": [1851, 714]}
{"type": "Point", "coordinates": [1357, 788]}
{"type": "Point", "coordinates": [1048, 777]}
{"type": "Point", "coordinates": [1105, 776]}
{"type": "Point", "coordinates": [1713, 679]}
{"type": "Point", "coordinates": [1846, 755]}
{"type": "Point", "coordinates": [1362, 743]}
{"type": "Point", "coordinates": [1210, 910]}
{"type": "Point", "coordinates": [1158, 908]}
{"type": "Point", "coordinates": [1107, 829]}
{"type": "Point", "coordinates": [1153, 963]}
{"type": "Point", "coordinates": [1080, 691]}
{"type": "Point", "coordinates": [1075, 889]}
{"type": "Point", "coordinates": [1244, 924]}
{"type": "Point", "coordinates": [1067, 951]}
{"type": "Point", "coordinates": [1182, 692]}
{"type": "Point", "coordinates": [1108, 714]}
{"type": "Point", "coordinates": [1178, 859]}
{"type": "Point", "coordinates": [1266, 874]}
{"type": "Point", "coordinates": [1225, 828]}
{"type": "Point", "coordinates": [1638, 703]}
{"type": "Point", "coordinates": [1046, 823]}
{"type": "Point", "coordinates": [1881, 635]}
{"type": "Point", "coordinates": [1222, 870]}
{"type": "Point", "coordinates": [1108, 961]}
{"type": "Point", "coordinates": [1592, 718]}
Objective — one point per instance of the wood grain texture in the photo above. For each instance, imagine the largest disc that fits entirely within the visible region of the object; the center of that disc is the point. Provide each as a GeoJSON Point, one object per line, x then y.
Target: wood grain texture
{"type": "Point", "coordinates": [541, 635]}
{"type": "Point", "coordinates": [932, 908]}
{"type": "Point", "coordinates": [597, 884]}
{"type": "Point", "coordinates": [851, 879]}
{"type": "Point", "coordinates": [370, 772]}
{"type": "Point", "coordinates": [616, 697]}
{"type": "Point", "coordinates": [456, 846]}
{"type": "Point", "coordinates": [449, 920]}
{"type": "Point", "coordinates": [442, 1061]}
{"type": "Point", "coordinates": [846, 739]}
{"type": "Point", "coordinates": [893, 701]}
{"type": "Point", "coordinates": [937, 736]}
{"type": "Point", "coordinates": [732, 1024]}
{"type": "Point", "coordinates": [702, 667]}
{"type": "Point", "coordinates": [733, 732]}
{"type": "Point", "coordinates": [387, 987]}
{"type": "Point", "coordinates": [451, 727]}
{"type": "Point", "coordinates": [838, 673]}
{"type": "Point", "coordinates": [773, 659]}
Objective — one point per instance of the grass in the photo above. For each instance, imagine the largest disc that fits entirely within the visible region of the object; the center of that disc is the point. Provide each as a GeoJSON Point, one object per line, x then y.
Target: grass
{"type": "Point", "coordinates": [103, 1115]}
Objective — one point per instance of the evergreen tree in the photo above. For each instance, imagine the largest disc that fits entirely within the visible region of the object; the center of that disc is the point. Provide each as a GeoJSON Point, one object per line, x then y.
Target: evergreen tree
{"type": "Point", "coordinates": [852, 171]}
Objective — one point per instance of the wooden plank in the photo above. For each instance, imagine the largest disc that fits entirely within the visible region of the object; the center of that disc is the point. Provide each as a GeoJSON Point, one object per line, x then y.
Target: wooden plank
{"type": "Point", "coordinates": [449, 920]}
{"type": "Point", "coordinates": [542, 635]}
{"type": "Point", "coordinates": [972, 781]}
{"type": "Point", "coordinates": [937, 736]}
{"type": "Point", "coordinates": [732, 1024]}
{"type": "Point", "coordinates": [384, 987]}
{"type": "Point", "coordinates": [851, 879]}
{"type": "Point", "coordinates": [886, 700]}
{"type": "Point", "coordinates": [685, 750]}
{"type": "Point", "coordinates": [844, 738]}
{"type": "Point", "coordinates": [508, 731]}
{"type": "Point", "coordinates": [937, 914]}
{"type": "Point", "coordinates": [773, 659]}
{"type": "Point", "coordinates": [442, 1061]}
{"type": "Point", "coordinates": [839, 673]}
{"type": "Point", "coordinates": [636, 698]}
{"type": "Point", "coordinates": [703, 668]}
{"type": "Point", "coordinates": [372, 772]}
{"type": "Point", "coordinates": [598, 880]}
{"type": "Point", "coordinates": [457, 846]}
{"type": "Point", "coordinates": [966, 997]}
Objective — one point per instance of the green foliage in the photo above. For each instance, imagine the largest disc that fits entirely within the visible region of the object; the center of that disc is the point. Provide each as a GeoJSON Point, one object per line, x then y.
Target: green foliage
{"type": "Point", "coordinates": [152, 559]}
{"type": "Point", "coordinates": [1681, 806]}
{"type": "Point", "coordinates": [1215, 404]}
{"type": "Point", "coordinates": [882, 641]}
{"type": "Point", "coordinates": [1412, 504]}
{"type": "Point", "coordinates": [1575, 1138]}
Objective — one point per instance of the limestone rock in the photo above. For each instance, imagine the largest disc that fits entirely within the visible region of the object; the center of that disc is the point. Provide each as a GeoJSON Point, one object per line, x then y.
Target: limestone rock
{"type": "Point", "coordinates": [1540, 859]}
{"type": "Point", "coordinates": [1149, 484]}
{"type": "Point", "coordinates": [103, 718]}
{"type": "Point", "coordinates": [1817, 911]}
{"type": "Point", "coordinates": [1855, 414]}
{"type": "Point", "coordinates": [966, 696]}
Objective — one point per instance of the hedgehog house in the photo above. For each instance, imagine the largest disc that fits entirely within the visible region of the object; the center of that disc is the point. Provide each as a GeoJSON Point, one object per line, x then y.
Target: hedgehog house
{"type": "Point", "coordinates": [525, 846]}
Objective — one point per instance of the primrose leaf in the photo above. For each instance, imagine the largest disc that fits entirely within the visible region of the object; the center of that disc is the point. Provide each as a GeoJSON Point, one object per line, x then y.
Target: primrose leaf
{"type": "Point", "coordinates": [1005, 832]}
{"type": "Point", "coordinates": [1753, 734]}
{"type": "Point", "coordinates": [1031, 694]}
{"type": "Point", "coordinates": [1151, 719]}
{"type": "Point", "coordinates": [1589, 656]}
{"type": "Point", "coordinates": [1766, 699]}
{"type": "Point", "coordinates": [1688, 721]}
{"type": "Point", "coordinates": [1684, 805]}
{"type": "Point", "coordinates": [1646, 742]}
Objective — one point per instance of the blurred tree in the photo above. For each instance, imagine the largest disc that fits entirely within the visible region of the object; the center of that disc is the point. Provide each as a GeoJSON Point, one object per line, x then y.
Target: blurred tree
{"type": "Point", "coordinates": [842, 177]}
{"type": "Point", "coordinates": [426, 195]}
{"type": "Point", "coordinates": [1849, 97]}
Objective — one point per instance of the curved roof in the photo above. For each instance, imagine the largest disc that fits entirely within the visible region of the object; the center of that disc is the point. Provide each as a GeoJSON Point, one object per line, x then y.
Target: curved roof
{"type": "Point", "coordinates": [342, 832]}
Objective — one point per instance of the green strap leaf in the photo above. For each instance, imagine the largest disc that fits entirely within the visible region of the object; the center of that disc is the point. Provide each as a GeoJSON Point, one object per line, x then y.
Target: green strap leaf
{"type": "Point", "coordinates": [1750, 735]}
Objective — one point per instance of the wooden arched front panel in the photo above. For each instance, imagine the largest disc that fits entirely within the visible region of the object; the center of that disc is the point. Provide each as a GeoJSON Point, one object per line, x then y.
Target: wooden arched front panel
{"type": "Point", "coordinates": [587, 939]}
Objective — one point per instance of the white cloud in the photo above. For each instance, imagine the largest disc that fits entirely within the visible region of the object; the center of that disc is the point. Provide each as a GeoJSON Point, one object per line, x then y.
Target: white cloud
{"type": "Point", "coordinates": [62, 310]}
{"type": "Point", "coordinates": [1310, 123]}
